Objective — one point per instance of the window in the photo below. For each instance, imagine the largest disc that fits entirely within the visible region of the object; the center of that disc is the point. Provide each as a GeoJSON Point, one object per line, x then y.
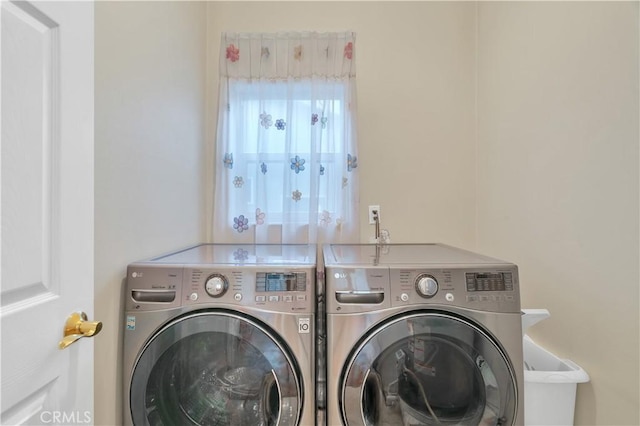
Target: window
{"type": "Point", "coordinates": [286, 154]}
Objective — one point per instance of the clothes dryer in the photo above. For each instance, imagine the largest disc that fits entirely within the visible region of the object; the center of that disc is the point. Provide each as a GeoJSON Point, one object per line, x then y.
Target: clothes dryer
{"type": "Point", "coordinates": [421, 334]}
{"type": "Point", "coordinates": [221, 334]}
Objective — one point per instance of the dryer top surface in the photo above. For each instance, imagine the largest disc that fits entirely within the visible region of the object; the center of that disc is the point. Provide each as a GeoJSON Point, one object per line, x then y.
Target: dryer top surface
{"type": "Point", "coordinates": [242, 254]}
{"type": "Point", "coordinates": [418, 255]}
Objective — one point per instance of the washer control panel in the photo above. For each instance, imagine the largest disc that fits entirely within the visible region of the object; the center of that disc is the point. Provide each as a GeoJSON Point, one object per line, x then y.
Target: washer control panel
{"type": "Point", "coordinates": [280, 290]}
{"type": "Point", "coordinates": [283, 290]}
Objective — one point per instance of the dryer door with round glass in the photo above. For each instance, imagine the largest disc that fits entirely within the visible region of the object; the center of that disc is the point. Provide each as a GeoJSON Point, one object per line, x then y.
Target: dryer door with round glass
{"type": "Point", "coordinates": [428, 368]}
{"type": "Point", "coordinates": [215, 368]}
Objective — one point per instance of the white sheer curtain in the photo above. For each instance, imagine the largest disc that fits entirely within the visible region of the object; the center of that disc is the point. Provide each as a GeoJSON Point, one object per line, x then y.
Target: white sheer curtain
{"type": "Point", "coordinates": [286, 152]}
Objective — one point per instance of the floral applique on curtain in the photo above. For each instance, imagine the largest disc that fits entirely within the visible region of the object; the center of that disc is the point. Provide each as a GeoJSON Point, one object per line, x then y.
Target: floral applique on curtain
{"type": "Point", "coordinates": [280, 124]}
{"type": "Point", "coordinates": [233, 53]}
{"type": "Point", "coordinates": [325, 218]}
{"type": "Point", "coordinates": [352, 162]}
{"type": "Point", "coordinates": [240, 223]}
{"type": "Point", "coordinates": [265, 120]}
{"type": "Point", "coordinates": [297, 164]}
{"type": "Point", "coordinates": [228, 161]}
{"type": "Point", "coordinates": [348, 50]}
{"type": "Point", "coordinates": [260, 215]}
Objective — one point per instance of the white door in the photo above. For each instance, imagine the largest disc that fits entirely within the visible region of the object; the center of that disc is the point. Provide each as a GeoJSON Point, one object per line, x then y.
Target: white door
{"type": "Point", "coordinates": [46, 210]}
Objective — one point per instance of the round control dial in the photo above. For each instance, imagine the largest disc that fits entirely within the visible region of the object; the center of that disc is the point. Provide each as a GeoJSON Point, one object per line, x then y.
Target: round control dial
{"type": "Point", "coordinates": [426, 286]}
{"type": "Point", "coordinates": [216, 285]}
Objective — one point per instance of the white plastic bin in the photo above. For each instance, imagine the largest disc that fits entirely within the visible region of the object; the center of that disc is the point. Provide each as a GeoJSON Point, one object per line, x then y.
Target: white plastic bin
{"type": "Point", "coordinates": [550, 383]}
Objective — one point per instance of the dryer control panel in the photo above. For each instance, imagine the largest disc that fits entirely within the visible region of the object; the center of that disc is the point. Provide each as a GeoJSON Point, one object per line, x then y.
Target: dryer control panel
{"type": "Point", "coordinates": [352, 290]}
{"type": "Point", "coordinates": [374, 277]}
{"type": "Point", "coordinates": [487, 288]}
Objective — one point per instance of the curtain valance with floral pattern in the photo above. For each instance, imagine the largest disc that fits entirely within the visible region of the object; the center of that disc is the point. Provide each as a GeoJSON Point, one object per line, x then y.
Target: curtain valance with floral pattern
{"type": "Point", "coordinates": [288, 55]}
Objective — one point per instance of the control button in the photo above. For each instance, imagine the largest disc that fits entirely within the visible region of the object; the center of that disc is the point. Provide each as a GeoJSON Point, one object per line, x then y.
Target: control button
{"type": "Point", "coordinates": [275, 298]}
{"type": "Point", "coordinates": [216, 285]}
{"type": "Point", "coordinates": [472, 298]}
{"type": "Point", "coordinates": [261, 298]}
{"type": "Point", "coordinates": [193, 296]}
{"type": "Point", "coordinates": [449, 297]}
{"type": "Point", "coordinates": [287, 298]}
{"type": "Point", "coordinates": [404, 297]}
{"type": "Point", "coordinates": [509, 298]}
{"type": "Point", "coordinates": [301, 297]}
{"type": "Point", "coordinates": [426, 286]}
{"type": "Point", "coordinates": [237, 297]}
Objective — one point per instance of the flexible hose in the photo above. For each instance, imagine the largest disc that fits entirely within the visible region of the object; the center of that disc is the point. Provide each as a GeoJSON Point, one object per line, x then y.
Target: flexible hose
{"type": "Point", "coordinates": [424, 396]}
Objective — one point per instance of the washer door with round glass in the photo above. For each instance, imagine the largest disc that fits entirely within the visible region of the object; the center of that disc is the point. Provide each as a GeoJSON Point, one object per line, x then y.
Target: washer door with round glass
{"type": "Point", "coordinates": [428, 368]}
{"type": "Point", "coordinates": [215, 368]}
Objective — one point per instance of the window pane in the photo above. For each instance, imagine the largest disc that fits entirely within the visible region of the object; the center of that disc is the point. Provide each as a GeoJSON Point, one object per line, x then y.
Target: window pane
{"type": "Point", "coordinates": [270, 123]}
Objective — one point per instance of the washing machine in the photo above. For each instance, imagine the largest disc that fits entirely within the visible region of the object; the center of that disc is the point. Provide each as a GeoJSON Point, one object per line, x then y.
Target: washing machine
{"type": "Point", "coordinates": [421, 334]}
{"type": "Point", "coordinates": [221, 334]}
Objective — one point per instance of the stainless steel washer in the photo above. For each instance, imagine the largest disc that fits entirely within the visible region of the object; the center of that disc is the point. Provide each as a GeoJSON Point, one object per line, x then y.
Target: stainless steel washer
{"type": "Point", "coordinates": [422, 334]}
{"type": "Point", "coordinates": [221, 334]}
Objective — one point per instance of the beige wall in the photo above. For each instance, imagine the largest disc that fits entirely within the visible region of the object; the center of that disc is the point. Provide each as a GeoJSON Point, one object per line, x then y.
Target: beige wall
{"type": "Point", "coordinates": [545, 174]}
{"type": "Point", "coordinates": [416, 91]}
{"type": "Point", "coordinates": [149, 153]}
{"type": "Point", "coordinates": [558, 182]}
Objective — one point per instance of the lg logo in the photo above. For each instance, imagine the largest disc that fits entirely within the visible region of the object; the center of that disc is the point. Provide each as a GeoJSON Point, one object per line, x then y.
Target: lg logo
{"type": "Point", "coordinates": [304, 325]}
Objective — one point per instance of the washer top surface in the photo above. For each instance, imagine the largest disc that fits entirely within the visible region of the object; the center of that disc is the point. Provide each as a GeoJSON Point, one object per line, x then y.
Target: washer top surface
{"type": "Point", "coordinates": [402, 254]}
{"type": "Point", "coordinates": [242, 254]}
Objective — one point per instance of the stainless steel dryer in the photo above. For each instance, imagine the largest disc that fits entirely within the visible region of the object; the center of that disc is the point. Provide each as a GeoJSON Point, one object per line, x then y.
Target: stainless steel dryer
{"type": "Point", "coordinates": [421, 334]}
{"type": "Point", "coordinates": [221, 335]}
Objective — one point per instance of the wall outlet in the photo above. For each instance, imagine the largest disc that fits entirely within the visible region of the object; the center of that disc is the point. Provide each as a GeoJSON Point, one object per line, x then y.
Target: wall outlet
{"type": "Point", "coordinates": [371, 210]}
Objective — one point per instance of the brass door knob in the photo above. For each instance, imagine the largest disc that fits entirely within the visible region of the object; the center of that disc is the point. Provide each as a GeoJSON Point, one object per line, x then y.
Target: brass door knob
{"type": "Point", "coordinates": [77, 327]}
